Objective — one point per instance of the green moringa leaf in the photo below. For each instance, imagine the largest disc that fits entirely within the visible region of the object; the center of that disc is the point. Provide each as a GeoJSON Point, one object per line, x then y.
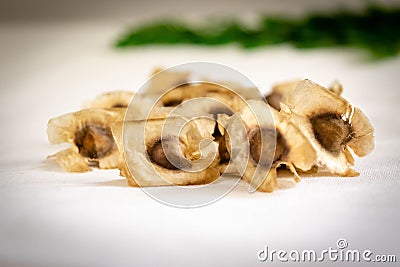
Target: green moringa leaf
{"type": "Point", "coordinates": [375, 30]}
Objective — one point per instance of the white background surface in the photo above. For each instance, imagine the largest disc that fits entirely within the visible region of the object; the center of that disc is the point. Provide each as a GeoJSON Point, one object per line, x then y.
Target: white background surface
{"type": "Point", "coordinates": [52, 218]}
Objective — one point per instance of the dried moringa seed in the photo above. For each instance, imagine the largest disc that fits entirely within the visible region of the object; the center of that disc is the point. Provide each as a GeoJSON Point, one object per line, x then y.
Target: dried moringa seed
{"type": "Point", "coordinates": [94, 141]}
{"type": "Point", "coordinates": [332, 125]}
{"type": "Point", "coordinates": [89, 133]}
{"type": "Point", "coordinates": [331, 131]}
{"type": "Point", "coordinates": [168, 162]}
{"type": "Point", "coordinates": [157, 154]}
{"type": "Point", "coordinates": [274, 100]}
{"type": "Point", "coordinates": [256, 145]}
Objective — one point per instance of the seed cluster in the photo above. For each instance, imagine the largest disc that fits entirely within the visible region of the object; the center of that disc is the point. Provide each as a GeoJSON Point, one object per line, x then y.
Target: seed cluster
{"type": "Point", "coordinates": [314, 128]}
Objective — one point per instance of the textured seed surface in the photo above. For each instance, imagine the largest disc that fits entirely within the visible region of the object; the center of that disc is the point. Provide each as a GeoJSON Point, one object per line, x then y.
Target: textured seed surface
{"type": "Point", "coordinates": [274, 100]}
{"type": "Point", "coordinates": [256, 147]}
{"type": "Point", "coordinates": [94, 141]}
{"type": "Point", "coordinates": [331, 131]}
{"type": "Point", "coordinates": [158, 156]}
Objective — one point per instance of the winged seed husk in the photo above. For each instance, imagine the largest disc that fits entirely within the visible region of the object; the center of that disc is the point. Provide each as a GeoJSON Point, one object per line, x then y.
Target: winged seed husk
{"type": "Point", "coordinates": [292, 148]}
{"type": "Point", "coordinates": [282, 90]}
{"type": "Point", "coordinates": [161, 172]}
{"type": "Point", "coordinates": [332, 125]}
{"type": "Point", "coordinates": [89, 133]}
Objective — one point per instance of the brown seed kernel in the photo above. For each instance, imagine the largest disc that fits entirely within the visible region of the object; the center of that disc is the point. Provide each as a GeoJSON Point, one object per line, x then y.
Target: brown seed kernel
{"type": "Point", "coordinates": [331, 131]}
{"type": "Point", "coordinates": [256, 147]}
{"type": "Point", "coordinates": [274, 100]}
{"type": "Point", "coordinates": [94, 141]}
{"type": "Point", "coordinates": [157, 154]}
{"type": "Point", "coordinates": [119, 105]}
{"type": "Point", "coordinates": [172, 102]}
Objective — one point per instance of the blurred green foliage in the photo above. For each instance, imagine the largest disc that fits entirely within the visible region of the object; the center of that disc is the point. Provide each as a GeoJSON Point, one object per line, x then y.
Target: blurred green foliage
{"type": "Point", "coordinates": [376, 30]}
